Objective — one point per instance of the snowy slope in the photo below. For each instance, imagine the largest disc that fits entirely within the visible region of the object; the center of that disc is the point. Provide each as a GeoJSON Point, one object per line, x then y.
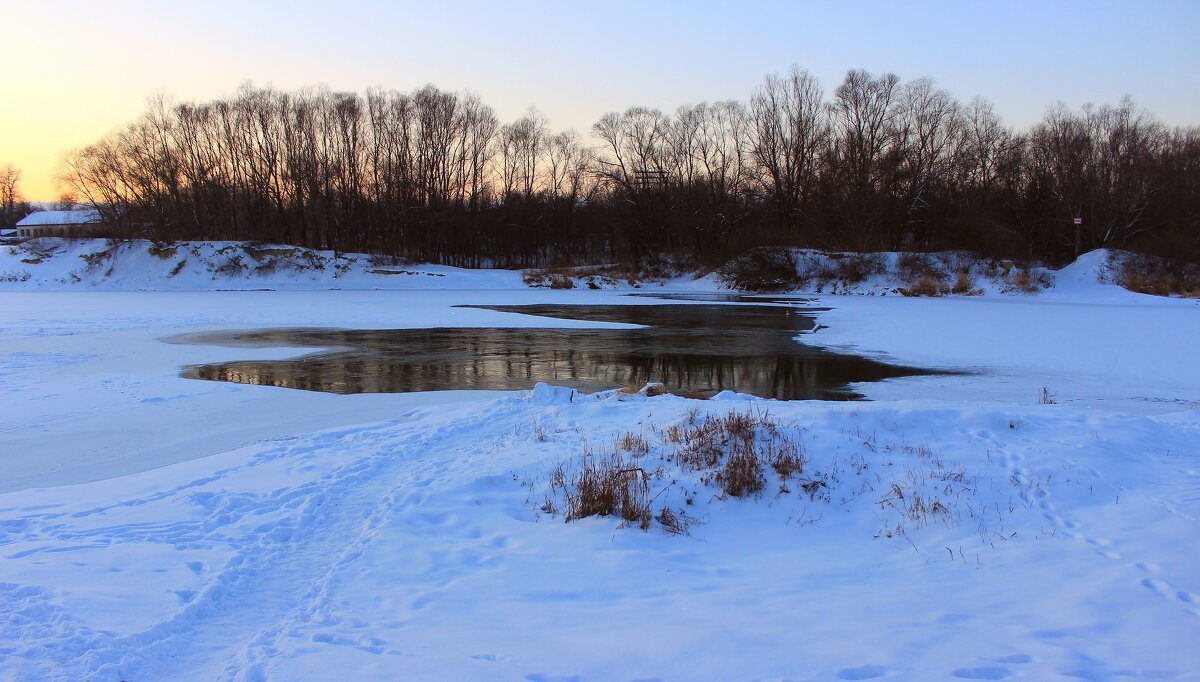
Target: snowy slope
{"type": "Point", "coordinates": [52, 264]}
{"type": "Point", "coordinates": [55, 264]}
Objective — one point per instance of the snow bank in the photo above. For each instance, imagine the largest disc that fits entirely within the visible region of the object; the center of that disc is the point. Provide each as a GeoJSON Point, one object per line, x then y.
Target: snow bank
{"type": "Point", "coordinates": [53, 264]}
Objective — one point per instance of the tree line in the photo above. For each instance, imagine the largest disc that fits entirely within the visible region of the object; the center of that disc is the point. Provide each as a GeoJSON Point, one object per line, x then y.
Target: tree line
{"type": "Point", "coordinates": [876, 164]}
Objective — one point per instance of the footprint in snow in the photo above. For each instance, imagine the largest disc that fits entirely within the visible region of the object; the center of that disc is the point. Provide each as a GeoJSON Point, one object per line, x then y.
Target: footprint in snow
{"type": "Point", "coordinates": [990, 672]}
{"type": "Point", "coordinates": [1155, 586]}
{"type": "Point", "coordinates": [1164, 589]}
{"type": "Point", "coordinates": [862, 672]}
{"type": "Point", "coordinates": [185, 596]}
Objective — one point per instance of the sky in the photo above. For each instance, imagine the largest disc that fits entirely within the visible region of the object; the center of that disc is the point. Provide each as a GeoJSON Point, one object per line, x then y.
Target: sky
{"type": "Point", "coordinates": [76, 70]}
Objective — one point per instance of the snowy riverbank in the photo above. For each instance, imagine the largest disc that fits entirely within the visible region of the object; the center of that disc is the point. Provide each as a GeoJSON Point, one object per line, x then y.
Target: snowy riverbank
{"type": "Point", "coordinates": [155, 527]}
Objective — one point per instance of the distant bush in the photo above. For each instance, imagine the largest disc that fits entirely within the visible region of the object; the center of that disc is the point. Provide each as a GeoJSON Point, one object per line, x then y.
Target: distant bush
{"type": "Point", "coordinates": [925, 285]}
{"type": "Point", "coordinates": [964, 285]}
{"type": "Point", "coordinates": [1155, 276]}
{"type": "Point", "coordinates": [762, 269]}
{"type": "Point", "coordinates": [1028, 281]}
{"type": "Point", "coordinates": [552, 278]}
{"type": "Point", "coordinates": [852, 268]}
{"type": "Point", "coordinates": [911, 267]}
{"type": "Point", "coordinates": [42, 248]}
{"type": "Point", "coordinates": [1013, 278]}
{"type": "Point", "coordinates": [98, 258]}
{"type": "Point", "coordinates": [162, 251]}
{"type": "Point", "coordinates": [231, 267]}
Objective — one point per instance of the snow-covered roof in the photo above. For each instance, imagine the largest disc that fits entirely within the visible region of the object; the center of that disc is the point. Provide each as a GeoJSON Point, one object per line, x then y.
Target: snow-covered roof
{"type": "Point", "coordinates": [60, 218]}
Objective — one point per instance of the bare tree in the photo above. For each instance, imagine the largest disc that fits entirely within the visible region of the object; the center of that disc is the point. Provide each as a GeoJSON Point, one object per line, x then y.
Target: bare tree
{"type": "Point", "coordinates": [863, 115]}
{"type": "Point", "coordinates": [790, 131]}
{"type": "Point", "coordinates": [12, 205]}
{"type": "Point", "coordinates": [929, 144]}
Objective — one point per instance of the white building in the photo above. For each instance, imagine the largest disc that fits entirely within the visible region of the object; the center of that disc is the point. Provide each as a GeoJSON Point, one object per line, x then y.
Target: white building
{"type": "Point", "coordinates": [58, 223]}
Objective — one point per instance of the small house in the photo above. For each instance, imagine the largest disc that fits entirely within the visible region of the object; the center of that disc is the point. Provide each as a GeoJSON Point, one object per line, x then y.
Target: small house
{"type": "Point", "coordinates": [78, 223]}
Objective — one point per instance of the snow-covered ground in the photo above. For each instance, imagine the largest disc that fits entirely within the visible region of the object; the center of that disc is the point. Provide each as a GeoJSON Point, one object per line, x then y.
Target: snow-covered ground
{"type": "Point", "coordinates": [1087, 343]}
{"type": "Point", "coordinates": [153, 527]}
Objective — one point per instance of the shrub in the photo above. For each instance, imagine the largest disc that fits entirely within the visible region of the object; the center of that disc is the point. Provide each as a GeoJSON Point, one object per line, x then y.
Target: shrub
{"type": "Point", "coordinates": [926, 285]}
{"type": "Point", "coordinates": [853, 268]}
{"type": "Point", "coordinates": [232, 267]}
{"type": "Point", "coordinates": [912, 267]}
{"type": "Point", "coordinates": [162, 251]}
{"type": "Point", "coordinates": [553, 278]}
{"type": "Point", "coordinates": [1155, 276]}
{"type": "Point", "coordinates": [96, 259]}
{"type": "Point", "coordinates": [1029, 282]}
{"type": "Point", "coordinates": [42, 248]}
{"type": "Point", "coordinates": [379, 261]}
{"type": "Point", "coordinates": [762, 269]}
{"type": "Point", "coordinates": [964, 285]}
{"type": "Point", "coordinates": [1025, 280]}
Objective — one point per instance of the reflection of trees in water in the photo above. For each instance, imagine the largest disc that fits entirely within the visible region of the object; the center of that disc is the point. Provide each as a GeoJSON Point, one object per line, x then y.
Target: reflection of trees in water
{"type": "Point", "coordinates": [704, 356]}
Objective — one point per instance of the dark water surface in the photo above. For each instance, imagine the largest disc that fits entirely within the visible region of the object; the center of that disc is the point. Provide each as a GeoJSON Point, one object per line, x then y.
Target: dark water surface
{"type": "Point", "coordinates": [695, 348]}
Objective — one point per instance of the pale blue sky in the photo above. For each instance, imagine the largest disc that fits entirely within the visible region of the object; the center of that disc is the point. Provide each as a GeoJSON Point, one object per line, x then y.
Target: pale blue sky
{"type": "Point", "coordinates": [86, 67]}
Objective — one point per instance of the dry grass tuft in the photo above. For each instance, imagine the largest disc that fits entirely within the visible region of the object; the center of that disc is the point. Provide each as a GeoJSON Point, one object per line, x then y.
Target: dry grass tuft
{"type": "Point", "coordinates": [926, 285]}
{"type": "Point", "coordinates": [742, 474]}
{"type": "Point", "coordinates": [650, 390]}
{"type": "Point", "coordinates": [964, 285]}
{"type": "Point", "coordinates": [162, 251]}
{"type": "Point", "coordinates": [787, 460]}
{"type": "Point", "coordinates": [1027, 281]}
{"type": "Point", "coordinates": [653, 389]}
{"type": "Point", "coordinates": [735, 448]}
{"type": "Point", "coordinates": [675, 524]}
{"type": "Point", "coordinates": [702, 444]}
{"type": "Point", "coordinates": [633, 443]}
{"type": "Point", "coordinates": [607, 486]}
{"type": "Point", "coordinates": [553, 278]}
